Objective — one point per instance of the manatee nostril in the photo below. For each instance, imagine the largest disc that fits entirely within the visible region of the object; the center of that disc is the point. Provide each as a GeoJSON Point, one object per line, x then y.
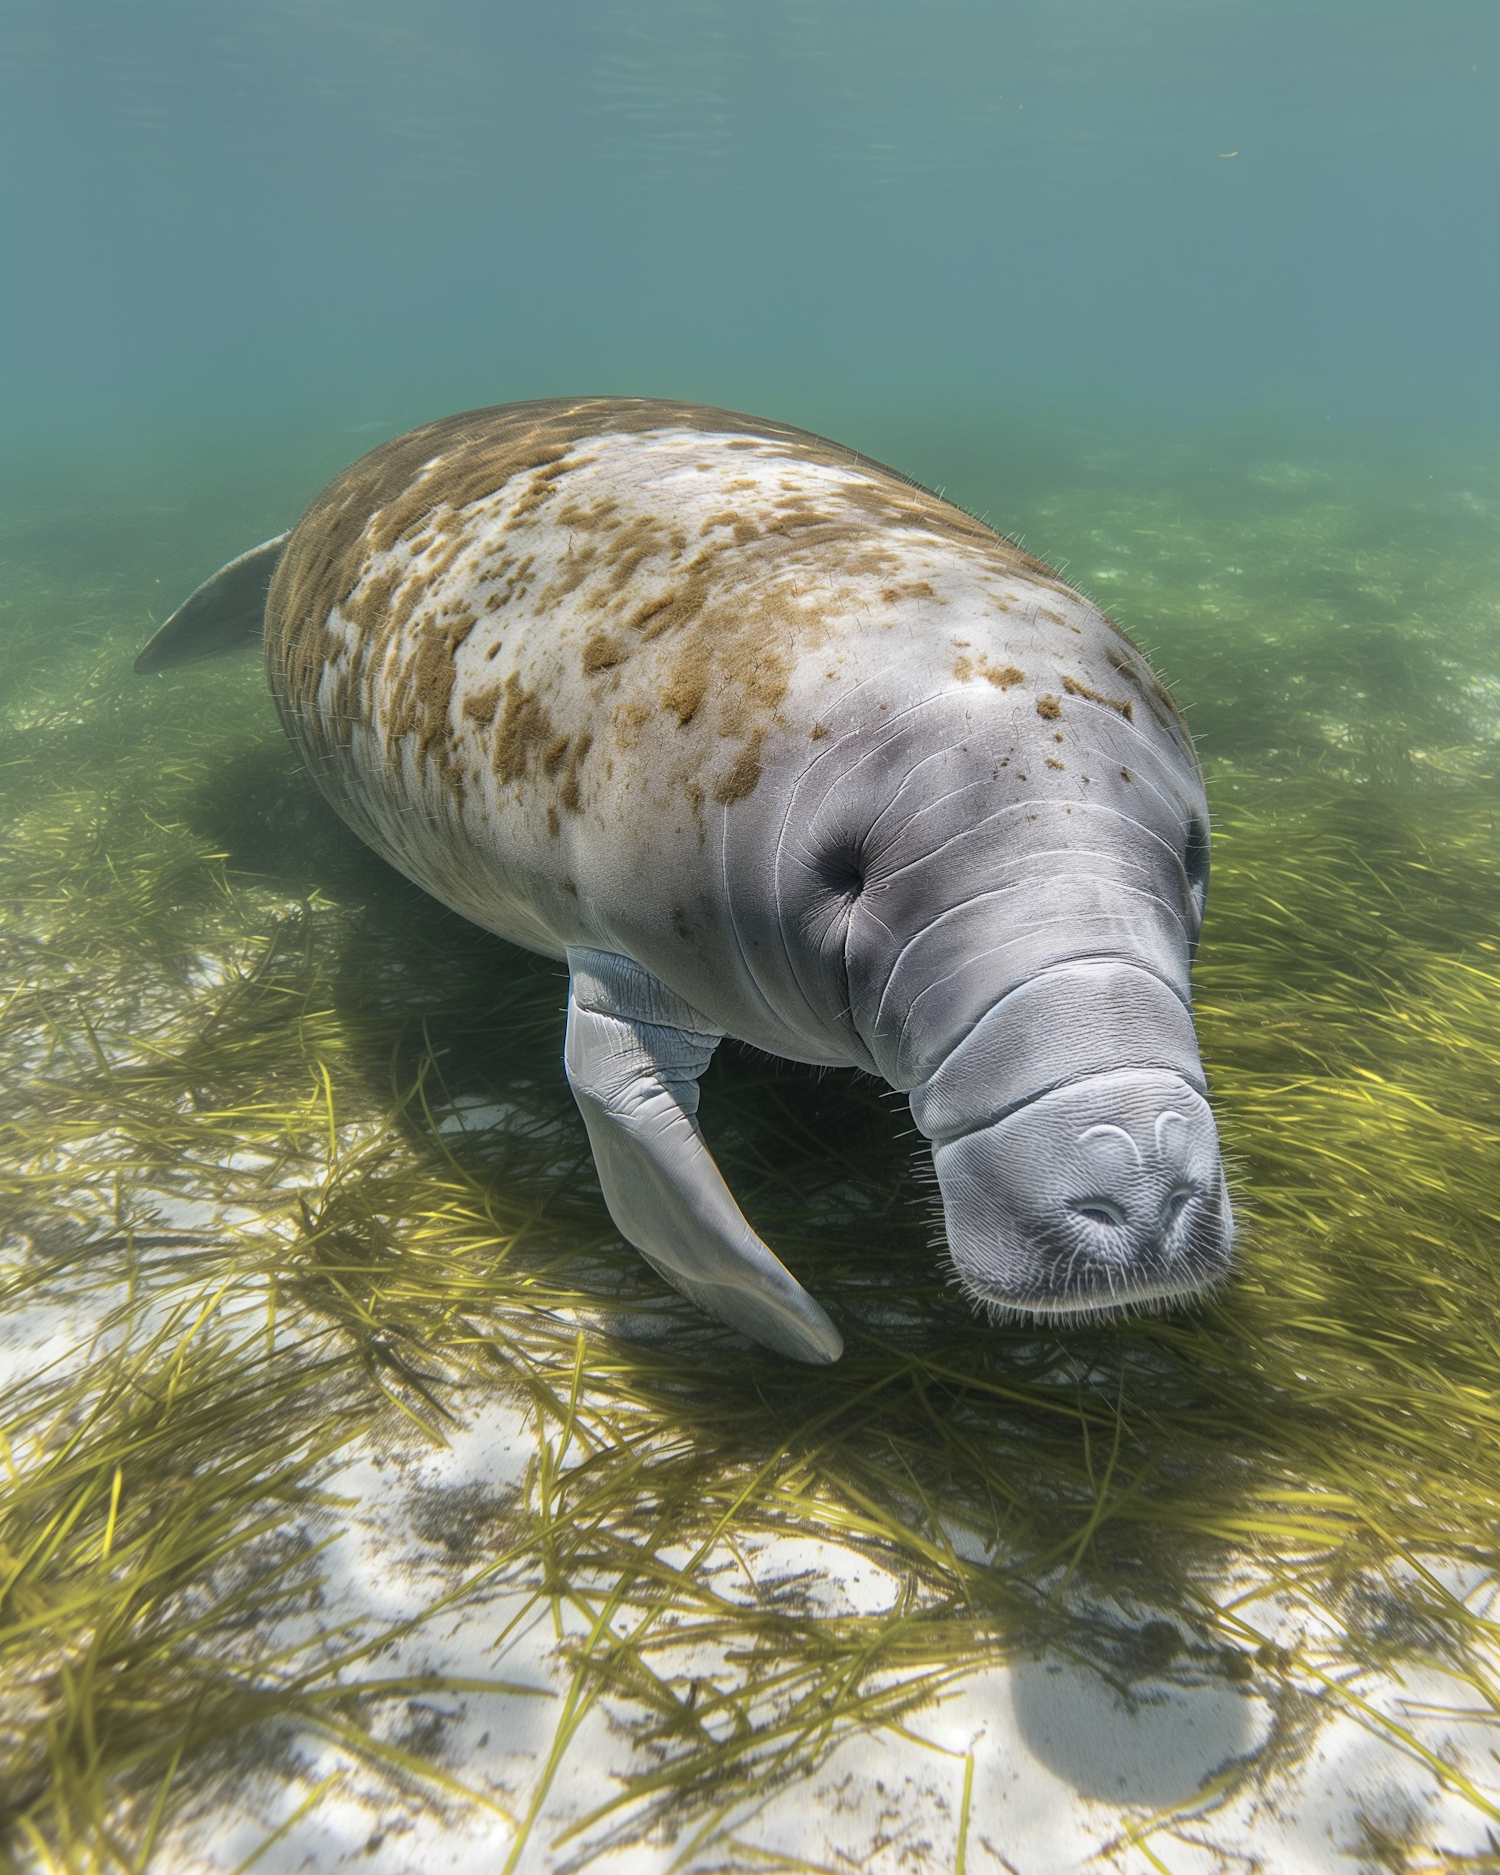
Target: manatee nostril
{"type": "Point", "coordinates": [1176, 1204]}
{"type": "Point", "coordinates": [1100, 1211]}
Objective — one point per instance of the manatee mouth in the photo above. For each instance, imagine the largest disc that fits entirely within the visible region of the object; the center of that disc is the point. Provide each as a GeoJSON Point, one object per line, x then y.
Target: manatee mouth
{"type": "Point", "coordinates": [1095, 1291]}
{"type": "Point", "coordinates": [1079, 1287]}
{"type": "Point", "coordinates": [1100, 1197]}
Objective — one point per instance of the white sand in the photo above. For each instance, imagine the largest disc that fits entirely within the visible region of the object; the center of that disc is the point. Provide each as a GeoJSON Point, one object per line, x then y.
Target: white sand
{"type": "Point", "coordinates": [1063, 1766]}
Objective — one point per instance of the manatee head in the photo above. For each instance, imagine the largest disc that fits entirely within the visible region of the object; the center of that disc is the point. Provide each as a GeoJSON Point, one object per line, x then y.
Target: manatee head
{"type": "Point", "coordinates": [1014, 952]}
{"type": "Point", "coordinates": [1074, 1146]}
{"type": "Point", "coordinates": [990, 887]}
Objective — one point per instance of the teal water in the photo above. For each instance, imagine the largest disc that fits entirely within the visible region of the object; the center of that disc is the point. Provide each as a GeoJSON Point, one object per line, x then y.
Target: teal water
{"type": "Point", "coordinates": [1197, 299]}
{"type": "Point", "coordinates": [222, 215]}
{"type": "Point", "coordinates": [1007, 247]}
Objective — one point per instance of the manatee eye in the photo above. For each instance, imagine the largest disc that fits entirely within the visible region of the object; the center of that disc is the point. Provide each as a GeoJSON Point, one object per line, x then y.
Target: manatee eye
{"type": "Point", "coordinates": [842, 872]}
{"type": "Point", "coordinates": [1100, 1211]}
{"type": "Point", "coordinates": [1195, 861]}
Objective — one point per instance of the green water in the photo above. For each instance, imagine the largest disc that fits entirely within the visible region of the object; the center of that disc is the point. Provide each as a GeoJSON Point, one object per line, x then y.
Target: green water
{"type": "Point", "coordinates": [1246, 402]}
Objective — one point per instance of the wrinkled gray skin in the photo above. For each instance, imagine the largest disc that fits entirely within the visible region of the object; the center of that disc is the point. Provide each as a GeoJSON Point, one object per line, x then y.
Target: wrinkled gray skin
{"type": "Point", "coordinates": [880, 792]}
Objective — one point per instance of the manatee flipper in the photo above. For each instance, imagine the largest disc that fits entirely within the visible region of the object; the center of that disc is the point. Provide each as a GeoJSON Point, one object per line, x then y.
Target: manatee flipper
{"type": "Point", "coordinates": [634, 1053]}
{"type": "Point", "coordinates": [226, 613]}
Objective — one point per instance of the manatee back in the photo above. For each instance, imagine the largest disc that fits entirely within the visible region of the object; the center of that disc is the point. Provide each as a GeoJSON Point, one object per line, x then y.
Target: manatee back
{"type": "Point", "coordinates": [541, 656]}
{"type": "Point", "coordinates": [387, 495]}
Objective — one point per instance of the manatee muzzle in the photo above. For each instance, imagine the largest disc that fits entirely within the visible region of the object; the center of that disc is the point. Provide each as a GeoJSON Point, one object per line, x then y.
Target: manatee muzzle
{"type": "Point", "coordinates": [1075, 1150]}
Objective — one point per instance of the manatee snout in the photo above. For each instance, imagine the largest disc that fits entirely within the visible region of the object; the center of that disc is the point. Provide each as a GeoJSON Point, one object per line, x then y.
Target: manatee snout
{"type": "Point", "coordinates": [1101, 1190]}
{"type": "Point", "coordinates": [1102, 1194]}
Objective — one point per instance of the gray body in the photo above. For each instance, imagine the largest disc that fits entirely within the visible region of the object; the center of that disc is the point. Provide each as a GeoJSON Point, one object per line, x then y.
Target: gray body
{"type": "Point", "coordinates": [768, 742]}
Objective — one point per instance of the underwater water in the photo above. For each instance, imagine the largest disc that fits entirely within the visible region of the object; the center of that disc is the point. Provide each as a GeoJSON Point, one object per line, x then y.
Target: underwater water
{"type": "Point", "coordinates": [365, 1498]}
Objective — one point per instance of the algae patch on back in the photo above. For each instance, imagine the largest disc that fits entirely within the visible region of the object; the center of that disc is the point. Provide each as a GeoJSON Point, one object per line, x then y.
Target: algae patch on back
{"type": "Point", "coordinates": [518, 537]}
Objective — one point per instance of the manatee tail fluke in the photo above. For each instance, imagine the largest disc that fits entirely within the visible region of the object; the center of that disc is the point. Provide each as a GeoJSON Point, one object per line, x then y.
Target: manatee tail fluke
{"type": "Point", "coordinates": [226, 613]}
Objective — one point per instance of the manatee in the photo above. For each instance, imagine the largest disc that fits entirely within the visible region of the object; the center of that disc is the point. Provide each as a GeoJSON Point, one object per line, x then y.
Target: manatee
{"type": "Point", "coordinates": [768, 741]}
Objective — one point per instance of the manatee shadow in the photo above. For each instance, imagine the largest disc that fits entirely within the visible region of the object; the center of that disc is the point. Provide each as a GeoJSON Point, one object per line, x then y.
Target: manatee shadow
{"type": "Point", "coordinates": [262, 811]}
{"type": "Point", "coordinates": [422, 995]}
{"type": "Point", "coordinates": [1149, 1743]}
